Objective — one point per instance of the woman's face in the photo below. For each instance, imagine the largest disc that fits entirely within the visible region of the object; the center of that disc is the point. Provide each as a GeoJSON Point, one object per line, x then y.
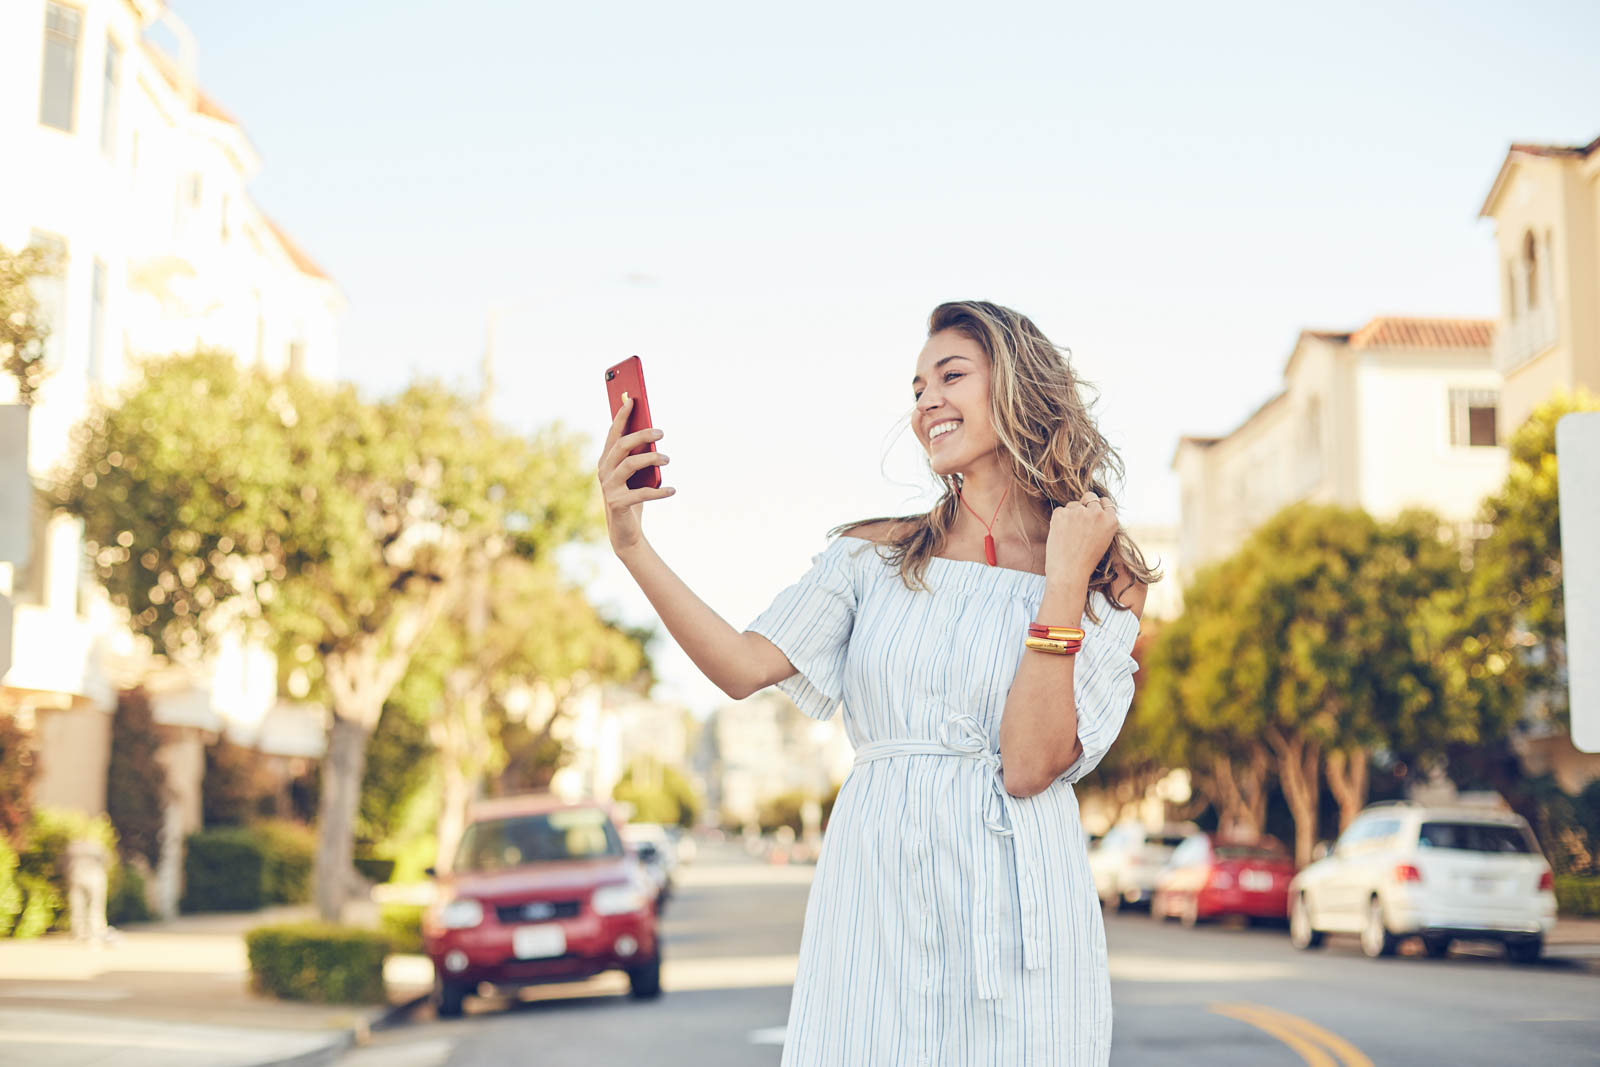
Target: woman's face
{"type": "Point", "coordinates": [952, 396]}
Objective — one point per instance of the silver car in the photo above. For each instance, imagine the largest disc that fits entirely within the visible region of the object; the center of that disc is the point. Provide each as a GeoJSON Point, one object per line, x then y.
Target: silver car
{"type": "Point", "coordinates": [1127, 860]}
{"type": "Point", "coordinates": [1446, 873]}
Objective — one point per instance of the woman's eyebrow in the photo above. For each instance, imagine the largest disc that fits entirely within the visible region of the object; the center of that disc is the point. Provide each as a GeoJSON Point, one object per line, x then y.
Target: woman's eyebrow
{"type": "Point", "coordinates": [936, 366]}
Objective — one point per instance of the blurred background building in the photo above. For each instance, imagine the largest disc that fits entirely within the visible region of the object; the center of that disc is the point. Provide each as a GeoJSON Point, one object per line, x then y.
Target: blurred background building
{"type": "Point", "coordinates": [136, 179]}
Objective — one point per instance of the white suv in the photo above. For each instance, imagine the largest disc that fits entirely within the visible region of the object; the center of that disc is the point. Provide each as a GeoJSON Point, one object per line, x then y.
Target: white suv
{"type": "Point", "coordinates": [1126, 862]}
{"type": "Point", "coordinates": [1444, 872]}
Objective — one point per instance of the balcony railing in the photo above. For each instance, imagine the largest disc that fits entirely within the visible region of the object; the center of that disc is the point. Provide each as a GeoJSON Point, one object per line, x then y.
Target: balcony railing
{"type": "Point", "coordinates": [1515, 343]}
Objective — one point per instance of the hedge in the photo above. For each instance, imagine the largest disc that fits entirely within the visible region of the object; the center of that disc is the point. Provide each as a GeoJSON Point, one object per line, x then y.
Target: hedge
{"type": "Point", "coordinates": [10, 892]}
{"type": "Point", "coordinates": [41, 869]}
{"type": "Point", "coordinates": [244, 868]}
{"type": "Point", "coordinates": [1578, 896]}
{"type": "Point", "coordinates": [402, 925]}
{"type": "Point", "coordinates": [318, 962]}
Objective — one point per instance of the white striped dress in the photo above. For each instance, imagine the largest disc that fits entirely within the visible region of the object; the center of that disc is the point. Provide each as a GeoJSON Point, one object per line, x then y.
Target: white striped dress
{"type": "Point", "coordinates": [949, 923]}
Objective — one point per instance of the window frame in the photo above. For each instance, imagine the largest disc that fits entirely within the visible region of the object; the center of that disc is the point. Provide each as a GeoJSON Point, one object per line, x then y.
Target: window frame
{"type": "Point", "coordinates": [71, 128]}
{"type": "Point", "coordinates": [1461, 403]}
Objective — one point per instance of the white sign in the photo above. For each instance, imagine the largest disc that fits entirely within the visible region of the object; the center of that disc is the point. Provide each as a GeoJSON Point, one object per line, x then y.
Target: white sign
{"type": "Point", "coordinates": [1578, 459]}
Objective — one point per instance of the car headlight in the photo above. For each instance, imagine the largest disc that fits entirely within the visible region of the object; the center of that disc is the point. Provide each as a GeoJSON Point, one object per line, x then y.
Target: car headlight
{"type": "Point", "coordinates": [618, 899]}
{"type": "Point", "coordinates": [461, 914]}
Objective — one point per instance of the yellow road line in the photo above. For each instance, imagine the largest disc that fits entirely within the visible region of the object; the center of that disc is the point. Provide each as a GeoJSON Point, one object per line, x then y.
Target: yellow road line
{"type": "Point", "coordinates": [1311, 1041]}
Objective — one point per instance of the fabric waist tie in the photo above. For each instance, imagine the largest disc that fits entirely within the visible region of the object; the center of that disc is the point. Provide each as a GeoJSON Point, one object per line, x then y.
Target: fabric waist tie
{"type": "Point", "coordinates": [963, 737]}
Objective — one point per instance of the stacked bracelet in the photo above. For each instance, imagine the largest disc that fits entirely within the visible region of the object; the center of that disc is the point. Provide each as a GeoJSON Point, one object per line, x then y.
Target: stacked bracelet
{"type": "Point", "coordinates": [1045, 644]}
{"type": "Point", "coordinates": [1055, 633]}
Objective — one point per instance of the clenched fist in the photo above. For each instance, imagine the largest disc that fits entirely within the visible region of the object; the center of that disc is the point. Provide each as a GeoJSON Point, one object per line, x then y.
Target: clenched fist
{"type": "Point", "coordinates": [1080, 533]}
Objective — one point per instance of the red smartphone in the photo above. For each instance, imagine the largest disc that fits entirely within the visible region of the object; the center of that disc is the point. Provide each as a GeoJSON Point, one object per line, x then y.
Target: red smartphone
{"type": "Point", "coordinates": [628, 377]}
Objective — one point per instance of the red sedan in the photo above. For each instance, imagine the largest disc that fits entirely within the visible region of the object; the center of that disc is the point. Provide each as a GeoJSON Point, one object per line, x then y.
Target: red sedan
{"type": "Point", "coordinates": [541, 891]}
{"type": "Point", "coordinates": [1209, 879]}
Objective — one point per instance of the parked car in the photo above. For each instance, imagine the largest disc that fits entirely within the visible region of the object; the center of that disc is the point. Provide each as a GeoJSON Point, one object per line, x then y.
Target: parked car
{"type": "Point", "coordinates": [1471, 872]}
{"type": "Point", "coordinates": [542, 890]}
{"type": "Point", "coordinates": [656, 851]}
{"type": "Point", "coordinates": [1127, 860]}
{"type": "Point", "coordinates": [1208, 878]}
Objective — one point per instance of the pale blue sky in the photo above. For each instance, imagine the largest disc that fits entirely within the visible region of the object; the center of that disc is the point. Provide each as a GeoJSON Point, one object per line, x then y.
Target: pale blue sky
{"type": "Point", "coordinates": [764, 204]}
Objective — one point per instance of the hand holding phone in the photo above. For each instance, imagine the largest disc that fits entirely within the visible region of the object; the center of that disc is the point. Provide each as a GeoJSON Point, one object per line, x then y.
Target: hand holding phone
{"type": "Point", "coordinates": [630, 466]}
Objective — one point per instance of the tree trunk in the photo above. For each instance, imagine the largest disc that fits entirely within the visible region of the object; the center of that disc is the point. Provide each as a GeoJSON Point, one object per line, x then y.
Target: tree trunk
{"type": "Point", "coordinates": [461, 736]}
{"type": "Point", "coordinates": [1298, 762]}
{"type": "Point", "coordinates": [336, 818]}
{"type": "Point", "coordinates": [1347, 779]}
{"type": "Point", "coordinates": [1240, 790]}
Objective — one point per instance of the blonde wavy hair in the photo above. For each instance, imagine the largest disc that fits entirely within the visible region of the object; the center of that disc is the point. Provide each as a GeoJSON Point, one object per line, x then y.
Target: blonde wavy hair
{"type": "Point", "coordinates": [1056, 452]}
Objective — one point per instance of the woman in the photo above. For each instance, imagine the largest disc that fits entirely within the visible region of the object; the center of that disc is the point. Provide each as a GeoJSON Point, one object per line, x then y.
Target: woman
{"type": "Point", "coordinates": [952, 919]}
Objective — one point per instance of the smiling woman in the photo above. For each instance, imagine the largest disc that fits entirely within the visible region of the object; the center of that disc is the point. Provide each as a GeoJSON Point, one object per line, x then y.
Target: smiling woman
{"type": "Point", "coordinates": [985, 665]}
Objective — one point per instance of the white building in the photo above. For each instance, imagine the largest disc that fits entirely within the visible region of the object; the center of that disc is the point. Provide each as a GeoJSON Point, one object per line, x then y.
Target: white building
{"type": "Point", "coordinates": [762, 747]}
{"type": "Point", "coordinates": [1400, 413]}
{"type": "Point", "coordinates": [117, 161]}
{"type": "Point", "coordinates": [611, 728]}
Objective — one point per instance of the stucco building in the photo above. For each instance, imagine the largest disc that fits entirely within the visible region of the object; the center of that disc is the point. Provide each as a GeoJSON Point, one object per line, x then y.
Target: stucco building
{"type": "Point", "coordinates": [137, 180]}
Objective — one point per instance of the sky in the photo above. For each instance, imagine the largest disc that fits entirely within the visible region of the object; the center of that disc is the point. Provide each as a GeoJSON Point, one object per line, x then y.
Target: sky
{"type": "Point", "coordinates": [765, 203]}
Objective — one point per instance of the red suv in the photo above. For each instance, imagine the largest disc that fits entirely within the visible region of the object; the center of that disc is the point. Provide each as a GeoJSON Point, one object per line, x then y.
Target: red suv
{"type": "Point", "coordinates": [542, 890]}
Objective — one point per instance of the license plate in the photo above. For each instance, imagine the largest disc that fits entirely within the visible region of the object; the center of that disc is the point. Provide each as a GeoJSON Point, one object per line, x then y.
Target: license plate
{"type": "Point", "coordinates": [1486, 885]}
{"type": "Point", "coordinates": [538, 942]}
{"type": "Point", "coordinates": [1255, 881]}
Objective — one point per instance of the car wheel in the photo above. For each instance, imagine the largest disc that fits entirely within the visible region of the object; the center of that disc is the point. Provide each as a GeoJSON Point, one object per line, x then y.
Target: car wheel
{"type": "Point", "coordinates": [448, 998]}
{"type": "Point", "coordinates": [1527, 951]}
{"type": "Point", "coordinates": [1301, 934]}
{"type": "Point", "coordinates": [1376, 940]}
{"type": "Point", "coordinates": [1437, 948]}
{"type": "Point", "coordinates": [644, 981]}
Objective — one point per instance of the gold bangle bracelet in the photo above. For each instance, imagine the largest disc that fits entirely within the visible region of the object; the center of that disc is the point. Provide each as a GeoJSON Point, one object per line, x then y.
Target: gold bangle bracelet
{"type": "Point", "coordinates": [1044, 644]}
{"type": "Point", "coordinates": [1060, 633]}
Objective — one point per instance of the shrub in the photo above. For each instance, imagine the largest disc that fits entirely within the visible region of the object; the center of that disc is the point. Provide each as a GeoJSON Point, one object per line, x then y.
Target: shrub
{"type": "Point", "coordinates": [234, 785]}
{"type": "Point", "coordinates": [402, 925]}
{"type": "Point", "coordinates": [1577, 896]}
{"type": "Point", "coordinates": [136, 781]}
{"type": "Point", "coordinates": [318, 962]}
{"type": "Point", "coordinates": [375, 868]}
{"type": "Point", "coordinates": [10, 892]}
{"type": "Point", "coordinates": [223, 870]}
{"type": "Point", "coordinates": [17, 768]}
{"type": "Point", "coordinates": [126, 901]}
{"type": "Point", "coordinates": [288, 851]}
{"type": "Point", "coordinates": [43, 857]}
{"type": "Point", "coordinates": [40, 906]}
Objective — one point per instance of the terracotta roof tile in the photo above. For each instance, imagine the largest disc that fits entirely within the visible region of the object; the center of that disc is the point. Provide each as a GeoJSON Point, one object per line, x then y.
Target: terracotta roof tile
{"type": "Point", "coordinates": [1396, 332]}
{"type": "Point", "coordinates": [304, 263]}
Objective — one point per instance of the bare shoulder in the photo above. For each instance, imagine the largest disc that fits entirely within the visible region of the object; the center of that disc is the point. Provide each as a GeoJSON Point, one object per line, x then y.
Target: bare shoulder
{"type": "Point", "coordinates": [877, 530]}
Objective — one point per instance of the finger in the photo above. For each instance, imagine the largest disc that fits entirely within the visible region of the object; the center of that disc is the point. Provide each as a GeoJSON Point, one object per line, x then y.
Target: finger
{"type": "Point", "coordinates": [618, 421]}
{"type": "Point", "coordinates": [624, 446]}
{"type": "Point", "coordinates": [642, 460]}
{"type": "Point", "coordinates": [638, 496]}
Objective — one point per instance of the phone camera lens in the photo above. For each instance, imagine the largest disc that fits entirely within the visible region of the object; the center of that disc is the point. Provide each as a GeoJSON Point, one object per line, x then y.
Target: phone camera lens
{"type": "Point", "coordinates": [610, 374]}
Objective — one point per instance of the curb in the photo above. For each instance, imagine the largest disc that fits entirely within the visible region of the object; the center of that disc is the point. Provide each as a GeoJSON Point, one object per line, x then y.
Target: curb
{"type": "Point", "coordinates": [351, 1036]}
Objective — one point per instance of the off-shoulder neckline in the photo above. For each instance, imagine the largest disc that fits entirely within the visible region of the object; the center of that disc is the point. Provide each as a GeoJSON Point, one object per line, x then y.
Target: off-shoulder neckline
{"type": "Point", "coordinates": [970, 574]}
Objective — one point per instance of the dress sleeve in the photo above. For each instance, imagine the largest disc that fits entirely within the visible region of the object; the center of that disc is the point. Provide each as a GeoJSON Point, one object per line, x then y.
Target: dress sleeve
{"type": "Point", "coordinates": [810, 623]}
{"type": "Point", "coordinates": [1103, 687]}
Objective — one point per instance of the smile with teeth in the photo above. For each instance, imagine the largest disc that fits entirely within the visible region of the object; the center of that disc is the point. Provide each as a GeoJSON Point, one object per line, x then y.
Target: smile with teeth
{"type": "Point", "coordinates": [942, 429]}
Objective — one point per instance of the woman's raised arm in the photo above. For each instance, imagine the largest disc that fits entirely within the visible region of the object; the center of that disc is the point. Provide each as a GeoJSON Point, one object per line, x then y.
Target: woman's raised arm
{"type": "Point", "coordinates": [737, 663]}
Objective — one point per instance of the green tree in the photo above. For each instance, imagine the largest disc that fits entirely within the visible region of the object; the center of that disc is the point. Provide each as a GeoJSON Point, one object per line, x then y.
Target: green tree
{"type": "Point", "coordinates": [217, 498]}
{"type": "Point", "coordinates": [136, 779]}
{"type": "Point", "coordinates": [23, 331]}
{"type": "Point", "coordinates": [1135, 762]}
{"type": "Point", "coordinates": [660, 793]}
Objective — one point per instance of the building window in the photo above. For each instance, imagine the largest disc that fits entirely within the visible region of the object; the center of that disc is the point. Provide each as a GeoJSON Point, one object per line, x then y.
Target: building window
{"type": "Point", "coordinates": [97, 320]}
{"type": "Point", "coordinates": [1530, 269]}
{"type": "Point", "coordinates": [1473, 418]}
{"type": "Point", "coordinates": [58, 89]}
{"type": "Point", "coordinates": [50, 290]}
{"type": "Point", "coordinates": [297, 357]}
{"type": "Point", "coordinates": [110, 99]}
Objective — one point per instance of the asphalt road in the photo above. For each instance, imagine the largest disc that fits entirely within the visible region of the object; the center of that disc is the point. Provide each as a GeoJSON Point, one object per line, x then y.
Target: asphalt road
{"type": "Point", "coordinates": [1225, 995]}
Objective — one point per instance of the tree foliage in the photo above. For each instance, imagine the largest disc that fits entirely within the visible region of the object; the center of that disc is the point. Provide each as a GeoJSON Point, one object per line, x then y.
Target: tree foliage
{"type": "Point", "coordinates": [23, 331]}
{"type": "Point", "coordinates": [136, 780]}
{"type": "Point", "coordinates": [661, 793]}
{"type": "Point", "coordinates": [216, 498]}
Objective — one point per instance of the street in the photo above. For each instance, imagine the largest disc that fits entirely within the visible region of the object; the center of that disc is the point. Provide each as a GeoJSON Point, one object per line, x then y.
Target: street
{"type": "Point", "coordinates": [1209, 995]}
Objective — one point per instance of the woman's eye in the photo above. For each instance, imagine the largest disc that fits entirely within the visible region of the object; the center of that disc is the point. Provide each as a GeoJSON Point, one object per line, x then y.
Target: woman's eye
{"type": "Point", "coordinates": [952, 374]}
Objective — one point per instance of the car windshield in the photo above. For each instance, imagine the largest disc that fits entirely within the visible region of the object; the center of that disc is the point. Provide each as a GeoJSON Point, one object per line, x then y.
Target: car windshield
{"type": "Point", "coordinates": [570, 834]}
{"type": "Point", "coordinates": [1473, 837]}
{"type": "Point", "coordinates": [1248, 852]}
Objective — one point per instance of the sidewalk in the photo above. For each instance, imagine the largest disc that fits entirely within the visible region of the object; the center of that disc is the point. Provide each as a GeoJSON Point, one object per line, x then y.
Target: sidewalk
{"type": "Point", "coordinates": [1577, 940]}
{"type": "Point", "coordinates": [173, 993]}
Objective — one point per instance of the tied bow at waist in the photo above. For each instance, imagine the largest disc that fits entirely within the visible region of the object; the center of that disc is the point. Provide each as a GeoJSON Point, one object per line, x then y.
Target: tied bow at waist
{"type": "Point", "coordinates": [963, 737]}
